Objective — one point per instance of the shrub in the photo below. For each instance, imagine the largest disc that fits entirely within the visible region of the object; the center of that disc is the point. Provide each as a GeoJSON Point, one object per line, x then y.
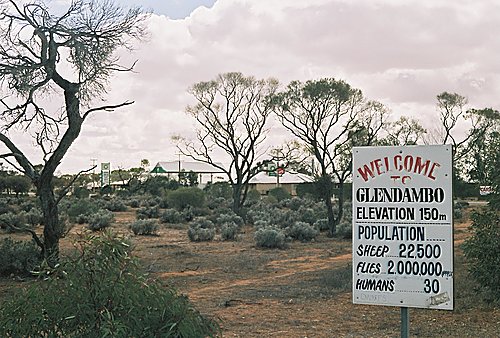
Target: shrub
{"type": "Point", "coordinates": [270, 237]}
{"type": "Point", "coordinates": [11, 219]}
{"type": "Point", "coordinates": [261, 224]}
{"type": "Point", "coordinates": [218, 190]}
{"type": "Point", "coordinates": [171, 216]}
{"type": "Point", "coordinates": [186, 196]}
{"type": "Point", "coordinates": [214, 203]}
{"type": "Point", "coordinates": [79, 207]}
{"type": "Point", "coordinates": [307, 215]}
{"type": "Point", "coordinates": [151, 201]}
{"type": "Point", "coordinates": [253, 196]}
{"type": "Point", "coordinates": [285, 217]}
{"type": "Point", "coordinates": [115, 205]}
{"type": "Point", "coordinates": [230, 218]}
{"type": "Point", "coordinates": [189, 212]}
{"type": "Point", "coordinates": [458, 214]}
{"type": "Point", "coordinates": [201, 230]}
{"type": "Point", "coordinates": [229, 231]}
{"type": "Point", "coordinates": [19, 257]}
{"type": "Point", "coordinates": [100, 220]}
{"type": "Point", "coordinates": [103, 294]}
{"type": "Point", "coordinates": [302, 231]}
{"type": "Point", "coordinates": [344, 229]}
{"type": "Point", "coordinates": [81, 192]}
{"type": "Point", "coordinates": [148, 212]}
{"type": "Point", "coordinates": [279, 193]}
{"type": "Point", "coordinates": [33, 217]}
{"type": "Point", "coordinates": [133, 203]}
{"type": "Point", "coordinates": [144, 227]}
{"type": "Point", "coordinates": [321, 224]}
{"type": "Point", "coordinates": [482, 251]}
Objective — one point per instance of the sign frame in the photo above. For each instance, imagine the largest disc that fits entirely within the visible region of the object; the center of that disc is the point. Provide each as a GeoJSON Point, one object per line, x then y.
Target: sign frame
{"type": "Point", "coordinates": [402, 244]}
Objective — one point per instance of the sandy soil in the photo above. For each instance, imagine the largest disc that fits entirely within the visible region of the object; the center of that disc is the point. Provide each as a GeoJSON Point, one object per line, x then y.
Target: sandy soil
{"type": "Point", "coordinates": [303, 291]}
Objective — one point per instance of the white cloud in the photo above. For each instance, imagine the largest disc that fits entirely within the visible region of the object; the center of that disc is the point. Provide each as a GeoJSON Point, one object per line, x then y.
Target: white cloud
{"type": "Point", "coordinates": [403, 53]}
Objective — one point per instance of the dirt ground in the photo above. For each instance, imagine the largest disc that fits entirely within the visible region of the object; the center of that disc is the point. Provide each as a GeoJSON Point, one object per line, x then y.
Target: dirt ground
{"type": "Point", "coordinates": [303, 291]}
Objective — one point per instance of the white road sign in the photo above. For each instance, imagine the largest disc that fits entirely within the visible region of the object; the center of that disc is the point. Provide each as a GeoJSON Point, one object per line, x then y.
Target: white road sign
{"type": "Point", "coordinates": [403, 226]}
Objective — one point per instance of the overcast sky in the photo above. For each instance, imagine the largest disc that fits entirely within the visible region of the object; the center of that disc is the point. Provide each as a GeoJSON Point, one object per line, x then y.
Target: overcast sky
{"type": "Point", "coordinates": [402, 53]}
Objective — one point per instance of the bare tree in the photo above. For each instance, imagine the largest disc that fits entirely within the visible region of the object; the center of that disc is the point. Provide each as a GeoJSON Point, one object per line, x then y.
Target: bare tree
{"type": "Point", "coordinates": [232, 112]}
{"type": "Point", "coordinates": [322, 115]}
{"type": "Point", "coordinates": [44, 56]}
{"type": "Point", "coordinates": [404, 131]}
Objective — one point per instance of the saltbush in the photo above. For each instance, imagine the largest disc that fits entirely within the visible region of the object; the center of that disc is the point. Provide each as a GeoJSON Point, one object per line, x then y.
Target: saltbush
{"type": "Point", "coordinates": [171, 216]}
{"type": "Point", "coordinates": [11, 220]}
{"type": "Point", "coordinates": [321, 224]}
{"type": "Point", "coordinates": [201, 230]}
{"type": "Point", "coordinates": [307, 215]}
{"type": "Point", "coordinates": [344, 229]}
{"type": "Point", "coordinates": [279, 193]}
{"type": "Point", "coordinates": [79, 207]}
{"type": "Point", "coordinates": [148, 212]}
{"type": "Point", "coordinates": [188, 213]}
{"type": "Point", "coordinates": [230, 217]}
{"type": "Point", "coordinates": [144, 227]}
{"type": "Point", "coordinates": [100, 220]}
{"type": "Point", "coordinates": [185, 197]}
{"type": "Point", "coordinates": [115, 204]}
{"type": "Point", "coordinates": [18, 257]}
{"type": "Point", "coordinates": [229, 231]}
{"type": "Point", "coordinates": [482, 251]}
{"type": "Point", "coordinates": [33, 217]}
{"type": "Point", "coordinates": [270, 237]}
{"type": "Point", "coordinates": [100, 292]}
{"type": "Point", "coordinates": [302, 231]}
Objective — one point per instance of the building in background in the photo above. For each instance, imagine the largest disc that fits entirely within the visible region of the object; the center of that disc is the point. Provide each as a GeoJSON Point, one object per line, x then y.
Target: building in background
{"type": "Point", "coordinates": [263, 182]}
{"type": "Point", "coordinates": [178, 169]}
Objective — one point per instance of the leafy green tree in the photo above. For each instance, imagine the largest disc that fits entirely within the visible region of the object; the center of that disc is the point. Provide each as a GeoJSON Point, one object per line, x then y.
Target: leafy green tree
{"type": "Point", "coordinates": [18, 184]}
{"type": "Point", "coordinates": [232, 113]}
{"type": "Point", "coordinates": [68, 56]}
{"type": "Point", "coordinates": [322, 115]}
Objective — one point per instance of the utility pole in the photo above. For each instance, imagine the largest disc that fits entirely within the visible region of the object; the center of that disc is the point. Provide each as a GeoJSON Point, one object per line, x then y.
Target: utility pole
{"type": "Point", "coordinates": [93, 162]}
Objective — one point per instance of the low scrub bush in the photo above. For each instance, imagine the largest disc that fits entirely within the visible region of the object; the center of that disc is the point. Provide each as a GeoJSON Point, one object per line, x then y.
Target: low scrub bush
{"type": "Point", "coordinates": [186, 197]}
{"type": "Point", "coordinates": [279, 193]}
{"type": "Point", "coordinates": [101, 292]}
{"type": "Point", "coordinates": [270, 237]}
{"type": "Point", "coordinates": [229, 231]}
{"type": "Point", "coordinates": [189, 213]}
{"type": "Point", "coordinates": [201, 230]}
{"type": "Point", "coordinates": [302, 231]}
{"type": "Point", "coordinates": [148, 212]}
{"type": "Point", "coordinates": [344, 229]}
{"type": "Point", "coordinates": [18, 257]}
{"type": "Point", "coordinates": [12, 220]}
{"type": "Point", "coordinates": [230, 218]}
{"type": "Point", "coordinates": [321, 224]}
{"type": "Point", "coordinates": [115, 204]}
{"type": "Point", "coordinates": [144, 227]}
{"type": "Point", "coordinates": [482, 251]}
{"type": "Point", "coordinates": [307, 215]}
{"type": "Point", "coordinates": [100, 220]}
{"type": "Point", "coordinates": [151, 201]}
{"type": "Point", "coordinates": [32, 217]}
{"type": "Point", "coordinates": [171, 216]}
{"type": "Point", "coordinates": [79, 207]}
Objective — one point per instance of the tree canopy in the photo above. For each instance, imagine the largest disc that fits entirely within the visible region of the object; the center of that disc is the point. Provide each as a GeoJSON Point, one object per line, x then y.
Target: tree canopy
{"type": "Point", "coordinates": [45, 56]}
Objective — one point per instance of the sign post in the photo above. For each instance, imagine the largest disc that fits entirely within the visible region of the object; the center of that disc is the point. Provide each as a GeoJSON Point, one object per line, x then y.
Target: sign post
{"type": "Point", "coordinates": [105, 174]}
{"type": "Point", "coordinates": [403, 227]}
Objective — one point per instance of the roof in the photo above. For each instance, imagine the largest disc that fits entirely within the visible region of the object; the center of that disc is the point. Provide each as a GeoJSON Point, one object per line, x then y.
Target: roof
{"type": "Point", "coordinates": [176, 166]}
{"type": "Point", "coordinates": [286, 178]}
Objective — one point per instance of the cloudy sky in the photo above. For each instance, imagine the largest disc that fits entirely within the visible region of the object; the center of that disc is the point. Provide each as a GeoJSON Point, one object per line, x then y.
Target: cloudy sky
{"type": "Point", "coordinates": [402, 53]}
